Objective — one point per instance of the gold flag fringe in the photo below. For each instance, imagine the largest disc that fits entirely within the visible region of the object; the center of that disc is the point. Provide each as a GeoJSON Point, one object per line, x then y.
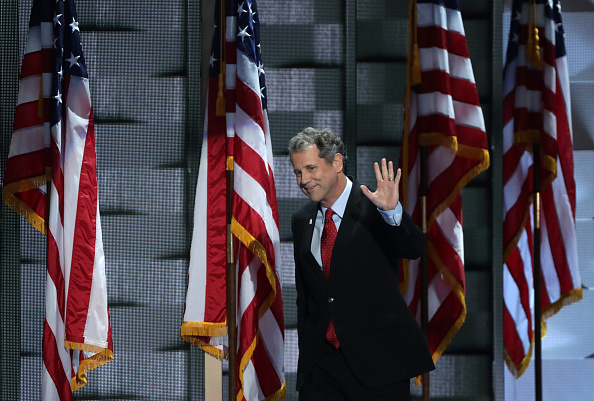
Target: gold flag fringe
{"type": "Point", "coordinates": [278, 395]}
{"type": "Point", "coordinates": [101, 357]}
{"type": "Point", "coordinates": [526, 139]}
{"type": "Point", "coordinates": [458, 291]}
{"type": "Point", "coordinates": [566, 299]}
{"type": "Point", "coordinates": [259, 251]}
{"type": "Point", "coordinates": [482, 155]}
{"type": "Point", "coordinates": [21, 208]}
{"type": "Point", "coordinates": [439, 139]}
{"type": "Point", "coordinates": [190, 331]}
{"type": "Point", "coordinates": [435, 139]}
{"type": "Point", "coordinates": [519, 369]}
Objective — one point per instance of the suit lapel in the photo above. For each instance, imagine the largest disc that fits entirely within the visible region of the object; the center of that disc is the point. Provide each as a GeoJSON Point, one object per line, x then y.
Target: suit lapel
{"type": "Point", "coordinates": [308, 229]}
{"type": "Point", "coordinates": [351, 213]}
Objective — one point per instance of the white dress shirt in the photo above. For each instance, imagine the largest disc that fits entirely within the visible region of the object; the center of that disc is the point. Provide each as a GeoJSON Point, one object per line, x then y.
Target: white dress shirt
{"type": "Point", "coordinates": [392, 217]}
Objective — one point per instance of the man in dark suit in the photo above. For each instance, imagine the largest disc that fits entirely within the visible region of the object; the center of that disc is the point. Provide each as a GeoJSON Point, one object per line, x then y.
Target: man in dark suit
{"type": "Point", "coordinates": [357, 337]}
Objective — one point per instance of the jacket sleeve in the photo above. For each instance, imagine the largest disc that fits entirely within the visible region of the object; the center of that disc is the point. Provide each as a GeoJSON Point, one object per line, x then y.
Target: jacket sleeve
{"type": "Point", "coordinates": [407, 238]}
{"type": "Point", "coordinates": [301, 297]}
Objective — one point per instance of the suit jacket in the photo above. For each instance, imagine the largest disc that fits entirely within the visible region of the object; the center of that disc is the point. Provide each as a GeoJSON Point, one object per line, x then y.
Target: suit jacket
{"type": "Point", "coordinates": [379, 337]}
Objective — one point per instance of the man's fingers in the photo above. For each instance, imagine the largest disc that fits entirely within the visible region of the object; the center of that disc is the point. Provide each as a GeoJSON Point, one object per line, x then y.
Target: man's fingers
{"type": "Point", "coordinates": [366, 191]}
{"type": "Point", "coordinates": [390, 171]}
{"type": "Point", "coordinates": [385, 172]}
{"type": "Point", "coordinates": [384, 169]}
{"type": "Point", "coordinates": [398, 175]}
{"type": "Point", "coordinates": [378, 174]}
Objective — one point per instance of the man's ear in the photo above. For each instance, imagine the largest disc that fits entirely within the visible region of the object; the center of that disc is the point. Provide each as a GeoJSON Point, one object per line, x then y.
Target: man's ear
{"type": "Point", "coordinates": [338, 162]}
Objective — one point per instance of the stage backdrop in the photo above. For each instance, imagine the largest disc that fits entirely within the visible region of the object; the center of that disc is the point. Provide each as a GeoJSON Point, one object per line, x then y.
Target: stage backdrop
{"type": "Point", "coordinates": [339, 64]}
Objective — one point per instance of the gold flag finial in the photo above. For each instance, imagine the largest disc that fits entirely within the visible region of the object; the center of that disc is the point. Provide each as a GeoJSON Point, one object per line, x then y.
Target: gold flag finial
{"type": "Point", "coordinates": [533, 52]}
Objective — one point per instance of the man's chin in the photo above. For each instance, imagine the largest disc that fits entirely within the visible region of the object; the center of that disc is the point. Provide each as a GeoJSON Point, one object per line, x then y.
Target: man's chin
{"type": "Point", "coordinates": [311, 195]}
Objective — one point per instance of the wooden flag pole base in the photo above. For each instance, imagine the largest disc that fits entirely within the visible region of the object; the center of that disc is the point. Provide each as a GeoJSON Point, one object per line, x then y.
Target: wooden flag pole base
{"type": "Point", "coordinates": [213, 377]}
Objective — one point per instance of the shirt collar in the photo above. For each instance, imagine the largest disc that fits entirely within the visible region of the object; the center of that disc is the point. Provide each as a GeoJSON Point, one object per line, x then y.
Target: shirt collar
{"type": "Point", "coordinates": [340, 205]}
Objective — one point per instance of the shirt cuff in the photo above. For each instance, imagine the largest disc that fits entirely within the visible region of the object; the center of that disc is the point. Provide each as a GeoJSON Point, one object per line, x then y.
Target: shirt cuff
{"type": "Point", "coordinates": [392, 217]}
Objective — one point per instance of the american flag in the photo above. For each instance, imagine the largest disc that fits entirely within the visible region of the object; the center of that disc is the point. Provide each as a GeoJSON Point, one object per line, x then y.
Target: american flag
{"type": "Point", "coordinates": [536, 109]}
{"type": "Point", "coordinates": [238, 141]}
{"type": "Point", "coordinates": [54, 139]}
{"type": "Point", "coordinates": [443, 113]}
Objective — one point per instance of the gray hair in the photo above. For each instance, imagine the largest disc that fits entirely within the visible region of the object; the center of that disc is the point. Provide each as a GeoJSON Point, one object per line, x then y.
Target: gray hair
{"type": "Point", "coordinates": [328, 143]}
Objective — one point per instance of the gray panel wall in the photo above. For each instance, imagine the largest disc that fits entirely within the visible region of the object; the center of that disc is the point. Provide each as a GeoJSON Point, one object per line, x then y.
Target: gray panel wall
{"type": "Point", "coordinates": [10, 303]}
{"type": "Point", "coordinates": [328, 64]}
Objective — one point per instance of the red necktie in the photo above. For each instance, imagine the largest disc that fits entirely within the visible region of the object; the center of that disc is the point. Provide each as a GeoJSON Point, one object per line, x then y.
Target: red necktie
{"type": "Point", "coordinates": [328, 237]}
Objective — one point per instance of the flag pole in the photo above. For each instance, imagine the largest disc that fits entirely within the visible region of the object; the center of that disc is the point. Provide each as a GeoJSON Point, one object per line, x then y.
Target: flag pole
{"type": "Point", "coordinates": [537, 274]}
{"type": "Point", "coordinates": [231, 294]}
{"type": "Point", "coordinates": [231, 269]}
{"type": "Point", "coordinates": [534, 56]}
{"type": "Point", "coordinates": [424, 265]}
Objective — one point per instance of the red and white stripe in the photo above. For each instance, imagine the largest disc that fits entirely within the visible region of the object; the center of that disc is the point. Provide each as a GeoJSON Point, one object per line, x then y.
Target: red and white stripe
{"type": "Point", "coordinates": [25, 178]}
{"type": "Point", "coordinates": [76, 262]}
{"type": "Point", "coordinates": [445, 115]}
{"type": "Point", "coordinates": [77, 332]}
{"type": "Point", "coordinates": [205, 323]}
{"type": "Point", "coordinates": [261, 327]}
{"type": "Point", "coordinates": [243, 138]}
{"type": "Point", "coordinates": [536, 102]}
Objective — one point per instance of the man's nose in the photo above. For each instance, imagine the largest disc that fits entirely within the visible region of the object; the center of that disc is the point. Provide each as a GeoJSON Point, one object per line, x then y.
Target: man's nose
{"type": "Point", "coordinates": [305, 178]}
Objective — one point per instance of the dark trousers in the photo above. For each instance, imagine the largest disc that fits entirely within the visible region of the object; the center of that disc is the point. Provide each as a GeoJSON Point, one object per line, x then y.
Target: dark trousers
{"type": "Point", "coordinates": [331, 379]}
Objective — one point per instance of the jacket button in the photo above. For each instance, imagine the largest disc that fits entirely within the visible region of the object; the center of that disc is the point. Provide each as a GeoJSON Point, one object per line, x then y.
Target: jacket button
{"type": "Point", "coordinates": [330, 299]}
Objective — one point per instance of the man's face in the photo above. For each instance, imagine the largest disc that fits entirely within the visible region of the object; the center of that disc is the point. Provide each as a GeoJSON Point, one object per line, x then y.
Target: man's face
{"type": "Point", "coordinates": [316, 178]}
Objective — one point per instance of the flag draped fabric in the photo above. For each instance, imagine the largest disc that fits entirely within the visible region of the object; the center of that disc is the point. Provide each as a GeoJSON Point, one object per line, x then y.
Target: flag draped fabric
{"type": "Point", "coordinates": [54, 139]}
{"type": "Point", "coordinates": [536, 109]}
{"type": "Point", "coordinates": [238, 139]}
{"type": "Point", "coordinates": [443, 114]}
